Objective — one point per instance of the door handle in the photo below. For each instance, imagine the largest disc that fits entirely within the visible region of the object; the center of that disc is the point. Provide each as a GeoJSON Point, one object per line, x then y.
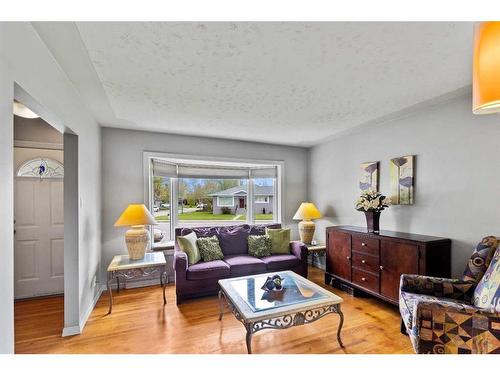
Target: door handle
{"type": "Point", "coordinates": [363, 261]}
{"type": "Point", "coordinates": [381, 268]}
{"type": "Point", "coordinates": [363, 279]}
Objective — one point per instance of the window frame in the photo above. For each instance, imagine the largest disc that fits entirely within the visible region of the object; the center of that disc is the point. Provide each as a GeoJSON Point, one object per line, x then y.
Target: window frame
{"type": "Point", "coordinates": [225, 196]}
{"type": "Point", "coordinates": [265, 201]}
{"type": "Point", "coordinates": [278, 202]}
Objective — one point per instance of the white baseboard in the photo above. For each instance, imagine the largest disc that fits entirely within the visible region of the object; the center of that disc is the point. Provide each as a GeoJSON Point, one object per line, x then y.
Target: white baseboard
{"type": "Point", "coordinates": [76, 330]}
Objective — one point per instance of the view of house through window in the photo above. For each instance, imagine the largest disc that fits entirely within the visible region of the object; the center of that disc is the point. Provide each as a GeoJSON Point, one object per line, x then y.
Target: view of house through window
{"type": "Point", "coordinates": [204, 196]}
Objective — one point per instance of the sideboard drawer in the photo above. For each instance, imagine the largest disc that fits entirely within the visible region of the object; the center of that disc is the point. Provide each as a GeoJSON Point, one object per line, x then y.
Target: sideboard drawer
{"type": "Point", "coordinates": [365, 280]}
{"type": "Point", "coordinates": [365, 245]}
{"type": "Point", "coordinates": [365, 262]}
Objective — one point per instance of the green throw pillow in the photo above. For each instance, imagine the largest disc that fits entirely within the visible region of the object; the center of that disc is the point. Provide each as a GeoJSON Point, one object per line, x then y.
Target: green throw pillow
{"type": "Point", "coordinates": [188, 244]}
{"type": "Point", "coordinates": [209, 248]}
{"type": "Point", "coordinates": [259, 246]}
{"type": "Point", "coordinates": [280, 240]}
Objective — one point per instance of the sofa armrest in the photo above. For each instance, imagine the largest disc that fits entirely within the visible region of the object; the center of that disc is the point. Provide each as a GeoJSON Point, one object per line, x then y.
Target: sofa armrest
{"type": "Point", "coordinates": [180, 260]}
{"type": "Point", "coordinates": [299, 249]}
{"type": "Point", "coordinates": [437, 287]}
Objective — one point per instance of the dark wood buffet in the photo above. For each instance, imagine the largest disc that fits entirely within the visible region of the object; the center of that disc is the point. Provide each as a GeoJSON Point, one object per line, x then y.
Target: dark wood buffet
{"type": "Point", "coordinates": [373, 263]}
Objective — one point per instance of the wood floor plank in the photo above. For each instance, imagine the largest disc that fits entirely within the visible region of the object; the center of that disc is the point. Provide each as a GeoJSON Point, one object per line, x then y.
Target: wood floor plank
{"type": "Point", "coordinates": [140, 324]}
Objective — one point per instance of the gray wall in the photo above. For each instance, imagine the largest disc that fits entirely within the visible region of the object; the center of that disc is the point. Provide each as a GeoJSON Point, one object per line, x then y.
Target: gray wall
{"type": "Point", "coordinates": [457, 175]}
{"type": "Point", "coordinates": [25, 60]}
{"type": "Point", "coordinates": [123, 178]}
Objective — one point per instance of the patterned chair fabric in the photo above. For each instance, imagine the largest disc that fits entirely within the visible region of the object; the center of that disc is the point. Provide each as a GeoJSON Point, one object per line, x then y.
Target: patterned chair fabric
{"type": "Point", "coordinates": [438, 315]}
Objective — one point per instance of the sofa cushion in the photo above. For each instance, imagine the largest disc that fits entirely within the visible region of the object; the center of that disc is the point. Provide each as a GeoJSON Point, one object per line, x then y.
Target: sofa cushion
{"type": "Point", "coordinates": [188, 244]}
{"type": "Point", "coordinates": [480, 259]}
{"type": "Point", "coordinates": [281, 262]}
{"type": "Point", "coordinates": [200, 231]}
{"type": "Point", "coordinates": [207, 270]}
{"type": "Point", "coordinates": [245, 264]}
{"type": "Point", "coordinates": [259, 246]}
{"type": "Point", "coordinates": [234, 239]}
{"type": "Point", "coordinates": [259, 230]}
{"type": "Point", "coordinates": [487, 293]}
{"type": "Point", "coordinates": [280, 239]}
{"type": "Point", "coordinates": [209, 248]}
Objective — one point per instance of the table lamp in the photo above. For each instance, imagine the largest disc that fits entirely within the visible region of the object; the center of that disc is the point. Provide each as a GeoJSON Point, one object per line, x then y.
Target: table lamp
{"type": "Point", "coordinates": [137, 237]}
{"type": "Point", "coordinates": [306, 212]}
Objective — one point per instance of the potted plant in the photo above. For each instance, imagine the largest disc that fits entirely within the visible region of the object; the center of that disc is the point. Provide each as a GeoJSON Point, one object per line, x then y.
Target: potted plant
{"type": "Point", "coordinates": [372, 203]}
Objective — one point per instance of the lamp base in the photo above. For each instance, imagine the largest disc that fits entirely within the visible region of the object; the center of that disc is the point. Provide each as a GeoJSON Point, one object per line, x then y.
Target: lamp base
{"type": "Point", "coordinates": [137, 239]}
{"type": "Point", "coordinates": [306, 231]}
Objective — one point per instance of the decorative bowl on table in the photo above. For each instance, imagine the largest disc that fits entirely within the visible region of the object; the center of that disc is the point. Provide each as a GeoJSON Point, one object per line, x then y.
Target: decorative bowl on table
{"type": "Point", "coordinates": [273, 284]}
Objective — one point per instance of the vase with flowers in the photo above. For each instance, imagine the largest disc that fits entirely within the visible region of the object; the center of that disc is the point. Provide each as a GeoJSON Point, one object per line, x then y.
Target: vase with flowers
{"type": "Point", "coordinates": [372, 203]}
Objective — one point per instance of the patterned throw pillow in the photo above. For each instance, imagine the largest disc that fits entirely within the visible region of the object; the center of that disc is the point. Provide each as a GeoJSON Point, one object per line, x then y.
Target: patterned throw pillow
{"type": "Point", "coordinates": [487, 293]}
{"type": "Point", "coordinates": [480, 259]}
{"type": "Point", "coordinates": [209, 248]}
{"type": "Point", "coordinates": [259, 246]}
{"type": "Point", "coordinates": [187, 244]}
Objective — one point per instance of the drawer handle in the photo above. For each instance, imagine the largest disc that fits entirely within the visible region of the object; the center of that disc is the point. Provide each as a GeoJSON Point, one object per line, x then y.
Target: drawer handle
{"type": "Point", "coordinates": [381, 268]}
{"type": "Point", "coordinates": [363, 261]}
{"type": "Point", "coordinates": [363, 279]}
{"type": "Point", "coordinates": [348, 257]}
{"type": "Point", "coordinates": [363, 244]}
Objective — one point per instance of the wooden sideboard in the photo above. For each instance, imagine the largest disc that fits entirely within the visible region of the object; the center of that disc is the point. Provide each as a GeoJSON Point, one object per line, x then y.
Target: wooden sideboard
{"type": "Point", "coordinates": [373, 263]}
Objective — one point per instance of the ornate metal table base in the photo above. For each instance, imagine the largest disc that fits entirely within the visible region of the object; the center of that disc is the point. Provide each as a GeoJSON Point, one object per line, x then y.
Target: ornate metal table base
{"type": "Point", "coordinates": [282, 322]}
{"type": "Point", "coordinates": [135, 273]}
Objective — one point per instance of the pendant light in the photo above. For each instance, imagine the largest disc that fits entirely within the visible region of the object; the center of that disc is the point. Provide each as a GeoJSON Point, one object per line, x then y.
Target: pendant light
{"type": "Point", "coordinates": [486, 69]}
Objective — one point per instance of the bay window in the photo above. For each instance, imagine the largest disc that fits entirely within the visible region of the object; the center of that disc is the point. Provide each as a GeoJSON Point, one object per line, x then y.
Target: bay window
{"type": "Point", "coordinates": [187, 192]}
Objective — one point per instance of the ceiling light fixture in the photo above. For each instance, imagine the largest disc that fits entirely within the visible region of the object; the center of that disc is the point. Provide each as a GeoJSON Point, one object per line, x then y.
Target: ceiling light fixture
{"type": "Point", "coordinates": [486, 69]}
{"type": "Point", "coordinates": [21, 110]}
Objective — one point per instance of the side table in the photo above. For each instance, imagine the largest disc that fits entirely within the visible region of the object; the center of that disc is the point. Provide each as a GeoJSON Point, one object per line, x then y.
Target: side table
{"type": "Point", "coordinates": [121, 267]}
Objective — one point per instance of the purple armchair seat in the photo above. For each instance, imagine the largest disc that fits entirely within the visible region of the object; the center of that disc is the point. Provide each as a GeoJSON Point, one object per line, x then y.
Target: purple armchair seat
{"type": "Point", "coordinates": [201, 279]}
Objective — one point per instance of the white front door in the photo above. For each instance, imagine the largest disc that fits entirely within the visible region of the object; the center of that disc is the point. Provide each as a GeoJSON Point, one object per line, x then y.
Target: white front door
{"type": "Point", "coordinates": [38, 237]}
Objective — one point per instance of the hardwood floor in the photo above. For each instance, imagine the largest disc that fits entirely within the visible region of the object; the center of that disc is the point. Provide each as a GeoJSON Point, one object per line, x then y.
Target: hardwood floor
{"type": "Point", "coordinates": [140, 324]}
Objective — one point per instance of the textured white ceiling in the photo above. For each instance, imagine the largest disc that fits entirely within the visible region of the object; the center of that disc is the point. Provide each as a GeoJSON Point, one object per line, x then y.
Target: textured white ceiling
{"type": "Point", "coordinates": [289, 83]}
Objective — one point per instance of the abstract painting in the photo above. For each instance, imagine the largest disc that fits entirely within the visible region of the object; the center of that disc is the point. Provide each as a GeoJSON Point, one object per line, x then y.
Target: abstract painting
{"type": "Point", "coordinates": [402, 179]}
{"type": "Point", "coordinates": [368, 179]}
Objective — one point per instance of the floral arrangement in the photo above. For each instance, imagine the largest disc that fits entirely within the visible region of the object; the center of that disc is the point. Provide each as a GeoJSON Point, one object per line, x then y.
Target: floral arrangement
{"type": "Point", "coordinates": [371, 200]}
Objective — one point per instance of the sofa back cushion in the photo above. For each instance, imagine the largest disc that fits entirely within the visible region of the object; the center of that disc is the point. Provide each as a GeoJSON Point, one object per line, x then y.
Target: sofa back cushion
{"type": "Point", "coordinates": [480, 259]}
{"type": "Point", "coordinates": [487, 293]}
{"type": "Point", "coordinates": [234, 239]}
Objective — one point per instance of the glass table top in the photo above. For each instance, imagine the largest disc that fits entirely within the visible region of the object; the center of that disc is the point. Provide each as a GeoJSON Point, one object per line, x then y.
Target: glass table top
{"type": "Point", "coordinates": [294, 292]}
{"type": "Point", "coordinates": [121, 262]}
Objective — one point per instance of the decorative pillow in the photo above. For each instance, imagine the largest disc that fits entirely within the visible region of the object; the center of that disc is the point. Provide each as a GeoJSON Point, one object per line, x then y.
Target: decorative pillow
{"type": "Point", "coordinates": [280, 240]}
{"type": "Point", "coordinates": [480, 259]}
{"type": "Point", "coordinates": [188, 244]}
{"type": "Point", "coordinates": [259, 246]}
{"type": "Point", "coordinates": [487, 293]}
{"type": "Point", "coordinates": [209, 248]}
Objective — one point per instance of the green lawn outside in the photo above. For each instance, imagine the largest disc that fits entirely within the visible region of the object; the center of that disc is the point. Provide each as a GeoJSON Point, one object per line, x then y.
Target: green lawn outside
{"type": "Point", "coordinates": [199, 215]}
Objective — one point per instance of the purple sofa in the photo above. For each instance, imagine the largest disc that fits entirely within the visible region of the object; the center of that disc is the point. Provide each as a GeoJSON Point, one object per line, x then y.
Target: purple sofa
{"type": "Point", "coordinates": [201, 279]}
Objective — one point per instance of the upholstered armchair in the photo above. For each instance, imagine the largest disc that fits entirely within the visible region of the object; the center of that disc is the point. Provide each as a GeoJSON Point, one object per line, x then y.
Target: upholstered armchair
{"type": "Point", "coordinates": [455, 315]}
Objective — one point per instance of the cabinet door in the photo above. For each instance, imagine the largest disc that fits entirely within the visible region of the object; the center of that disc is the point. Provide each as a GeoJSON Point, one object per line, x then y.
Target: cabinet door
{"type": "Point", "coordinates": [338, 259]}
{"type": "Point", "coordinates": [396, 258]}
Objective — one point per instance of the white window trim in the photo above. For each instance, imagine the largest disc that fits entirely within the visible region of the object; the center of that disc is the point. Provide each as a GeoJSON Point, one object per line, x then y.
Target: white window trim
{"type": "Point", "coordinates": [225, 205]}
{"type": "Point", "coordinates": [278, 204]}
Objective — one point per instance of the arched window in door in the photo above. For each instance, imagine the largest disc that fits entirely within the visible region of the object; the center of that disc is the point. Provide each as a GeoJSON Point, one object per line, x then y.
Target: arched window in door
{"type": "Point", "coordinates": [41, 168]}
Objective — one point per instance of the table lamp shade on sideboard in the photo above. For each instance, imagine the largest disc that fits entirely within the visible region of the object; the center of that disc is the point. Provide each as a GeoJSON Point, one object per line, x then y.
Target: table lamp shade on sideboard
{"type": "Point", "coordinates": [137, 237]}
{"type": "Point", "coordinates": [307, 212]}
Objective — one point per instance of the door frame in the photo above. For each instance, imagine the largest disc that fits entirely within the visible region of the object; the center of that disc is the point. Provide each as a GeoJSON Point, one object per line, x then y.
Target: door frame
{"type": "Point", "coordinates": [71, 210]}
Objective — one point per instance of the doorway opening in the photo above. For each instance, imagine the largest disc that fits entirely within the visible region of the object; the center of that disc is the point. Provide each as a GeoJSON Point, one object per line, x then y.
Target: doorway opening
{"type": "Point", "coordinates": [38, 221]}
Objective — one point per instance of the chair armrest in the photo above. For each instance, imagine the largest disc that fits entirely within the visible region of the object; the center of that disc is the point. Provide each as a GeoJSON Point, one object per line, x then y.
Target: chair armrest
{"type": "Point", "coordinates": [180, 260]}
{"type": "Point", "coordinates": [437, 287]}
{"type": "Point", "coordinates": [434, 321]}
{"type": "Point", "coordinates": [299, 249]}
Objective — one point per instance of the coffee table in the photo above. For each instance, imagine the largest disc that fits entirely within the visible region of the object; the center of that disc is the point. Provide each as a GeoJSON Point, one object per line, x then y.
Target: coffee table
{"type": "Point", "coordinates": [301, 302]}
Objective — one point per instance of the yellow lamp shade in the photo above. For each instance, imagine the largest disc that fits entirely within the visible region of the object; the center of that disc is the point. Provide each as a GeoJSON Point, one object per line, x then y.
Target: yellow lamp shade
{"type": "Point", "coordinates": [307, 211]}
{"type": "Point", "coordinates": [135, 214]}
{"type": "Point", "coordinates": [486, 68]}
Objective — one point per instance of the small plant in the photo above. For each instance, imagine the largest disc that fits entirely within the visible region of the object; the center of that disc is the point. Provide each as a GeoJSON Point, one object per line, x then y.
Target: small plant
{"type": "Point", "coordinates": [371, 200]}
{"type": "Point", "coordinates": [225, 210]}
